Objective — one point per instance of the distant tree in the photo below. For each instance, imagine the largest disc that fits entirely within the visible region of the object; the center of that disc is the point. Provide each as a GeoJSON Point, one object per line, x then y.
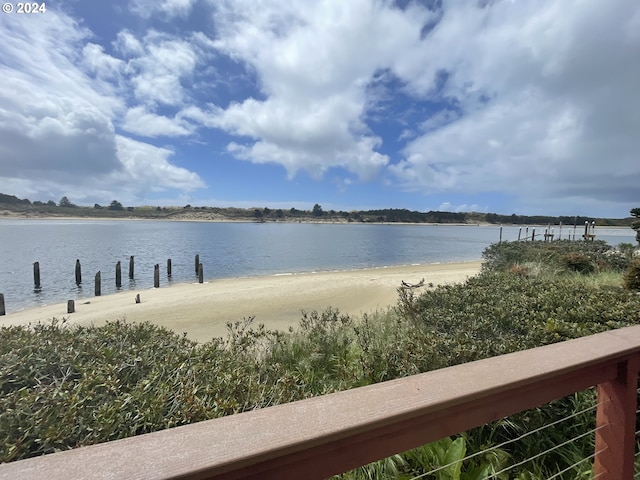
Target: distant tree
{"type": "Point", "coordinates": [130, 209]}
{"type": "Point", "coordinates": [115, 205]}
{"type": "Point", "coordinates": [317, 210]}
{"type": "Point", "coordinates": [279, 213]}
{"type": "Point", "coordinates": [257, 213]}
{"type": "Point", "coordinates": [266, 210]}
{"type": "Point", "coordinates": [187, 207]}
{"type": "Point", "coordinates": [51, 203]}
{"type": "Point", "coordinates": [65, 202]}
{"type": "Point", "coordinates": [38, 203]}
{"type": "Point", "coordinates": [97, 206]}
{"type": "Point", "coordinates": [635, 212]}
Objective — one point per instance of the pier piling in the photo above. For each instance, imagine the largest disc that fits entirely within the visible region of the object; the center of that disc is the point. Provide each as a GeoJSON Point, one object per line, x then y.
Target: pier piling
{"type": "Point", "coordinates": [71, 306]}
{"type": "Point", "coordinates": [197, 262]}
{"type": "Point", "coordinates": [118, 275]}
{"type": "Point", "coordinates": [156, 276]}
{"type": "Point", "coordinates": [97, 286]}
{"type": "Point", "coordinates": [169, 268]}
{"type": "Point", "coordinates": [36, 274]}
{"type": "Point", "coordinates": [78, 272]}
{"type": "Point", "coordinates": [138, 298]}
{"type": "Point", "coordinates": [200, 274]}
{"type": "Point", "coordinates": [131, 267]}
{"type": "Point", "coordinates": [2, 310]}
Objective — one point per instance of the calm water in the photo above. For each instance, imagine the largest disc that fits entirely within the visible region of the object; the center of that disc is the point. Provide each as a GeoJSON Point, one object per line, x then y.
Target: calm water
{"type": "Point", "coordinates": [225, 249]}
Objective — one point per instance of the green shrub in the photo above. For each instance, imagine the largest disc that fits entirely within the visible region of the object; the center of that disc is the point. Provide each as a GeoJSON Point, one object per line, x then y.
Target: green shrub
{"type": "Point", "coordinates": [632, 276]}
{"type": "Point", "coordinates": [577, 262]}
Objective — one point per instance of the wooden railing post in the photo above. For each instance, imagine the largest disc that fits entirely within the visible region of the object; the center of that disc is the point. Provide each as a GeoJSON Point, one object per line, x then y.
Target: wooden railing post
{"type": "Point", "coordinates": [616, 415]}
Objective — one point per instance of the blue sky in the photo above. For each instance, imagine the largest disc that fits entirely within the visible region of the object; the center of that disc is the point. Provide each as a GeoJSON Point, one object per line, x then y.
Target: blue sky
{"type": "Point", "coordinates": [512, 106]}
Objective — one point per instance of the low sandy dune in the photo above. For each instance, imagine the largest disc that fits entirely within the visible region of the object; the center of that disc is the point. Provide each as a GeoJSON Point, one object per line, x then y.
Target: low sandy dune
{"type": "Point", "coordinates": [202, 310]}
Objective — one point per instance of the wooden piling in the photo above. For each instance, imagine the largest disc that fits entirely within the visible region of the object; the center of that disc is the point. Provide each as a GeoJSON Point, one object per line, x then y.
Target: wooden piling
{"type": "Point", "coordinates": [200, 274]}
{"type": "Point", "coordinates": [131, 267]}
{"type": "Point", "coordinates": [169, 267]}
{"type": "Point", "coordinates": [156, 276]}
{"type": "Point", "coordinates": [526, 234]}
{"type": "Point", "coordinates": [519, 233]}
{"type": "Point", "coordinates": [533, 234]}
{"type": "Point", "coordinates": [138, 298]}
{"type": "Point", "coordinates": [500, 241]}
{"type": "Point", "coordinates": [78, 272]}
{"type": "Point", "coordinates": [36, 274]}
{"type": "Point", "coordinates": [71, 306]}
{"type": "Point", "coordinates": [118, 275]}
{"type": "Point", "coordinates": [197, 262]}
{"type": "Point", "coordinates": [98, 289]}
{"type": "Point", "coordinates": [2, 310]}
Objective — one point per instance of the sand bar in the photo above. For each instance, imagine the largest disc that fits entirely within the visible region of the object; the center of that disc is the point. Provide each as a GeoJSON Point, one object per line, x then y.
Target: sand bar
{"type": "Point", "coordinates": [202, 310]}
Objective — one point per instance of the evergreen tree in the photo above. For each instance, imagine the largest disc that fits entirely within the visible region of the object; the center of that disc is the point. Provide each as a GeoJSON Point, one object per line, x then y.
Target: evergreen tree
{"type": "Point", "coordinates": [635, 212]}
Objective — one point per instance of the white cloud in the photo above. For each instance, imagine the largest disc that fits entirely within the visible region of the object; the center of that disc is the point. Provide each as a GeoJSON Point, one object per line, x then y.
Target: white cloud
{"type": "Point", "coordinates": [314, 62]}
{"type": "Point", "coordinates": [167, 8]}
{"type": "Point", "coordinates": [157, 75]}
{"type": "Point", "coordinates": [57, 108]}
{"type": "Point", "coordinates": [149, 167]}
{"type": "Point", "coordinates": [548, 95]}
{"type": "Point", "coordinates": [141, 122]}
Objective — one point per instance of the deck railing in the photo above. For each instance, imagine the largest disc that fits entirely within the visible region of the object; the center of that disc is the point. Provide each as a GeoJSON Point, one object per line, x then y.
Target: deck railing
{"type": "Point", "coordinates": [322, 436]}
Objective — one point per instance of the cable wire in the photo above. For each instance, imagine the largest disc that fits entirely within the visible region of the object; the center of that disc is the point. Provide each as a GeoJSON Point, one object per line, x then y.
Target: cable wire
{"type": "Point", "coordinates": [495, 447]}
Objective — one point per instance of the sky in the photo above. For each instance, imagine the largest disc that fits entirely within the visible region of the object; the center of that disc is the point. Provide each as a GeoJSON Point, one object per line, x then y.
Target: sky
{"type": "Point", "coordinates": [529, 107]}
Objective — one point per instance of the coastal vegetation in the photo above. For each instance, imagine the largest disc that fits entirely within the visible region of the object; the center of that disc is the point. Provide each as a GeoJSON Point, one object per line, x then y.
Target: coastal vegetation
{"type": "Point", "coordinates": [63, 387]}
{"type": "Point", "coordinates": [24, 208]}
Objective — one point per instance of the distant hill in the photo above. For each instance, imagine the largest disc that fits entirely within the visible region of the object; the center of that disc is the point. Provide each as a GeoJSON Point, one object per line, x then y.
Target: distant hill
{"type": "Point", "coordinates": [14, 206]}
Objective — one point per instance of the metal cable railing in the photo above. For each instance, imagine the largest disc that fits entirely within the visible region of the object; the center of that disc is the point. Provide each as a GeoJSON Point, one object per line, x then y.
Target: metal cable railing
{"type": "Point", "coordinates": [521, 437]}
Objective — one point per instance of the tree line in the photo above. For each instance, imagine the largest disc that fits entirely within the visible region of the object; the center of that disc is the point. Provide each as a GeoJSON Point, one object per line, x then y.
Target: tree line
{"type": "Point", "coordinates": [386, 215]}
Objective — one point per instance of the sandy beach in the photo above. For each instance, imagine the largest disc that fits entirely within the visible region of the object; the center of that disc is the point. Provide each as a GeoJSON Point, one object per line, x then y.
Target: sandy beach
{"type": "Point", "coordinates": [202, 310]}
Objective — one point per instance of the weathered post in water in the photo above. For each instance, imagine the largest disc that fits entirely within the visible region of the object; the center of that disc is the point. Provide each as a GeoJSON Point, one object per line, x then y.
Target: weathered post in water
{"type": "Point", "coordinates": [169, 268]}
{"type": "Point", "coordinates": [197, 262]}
{"type": "Point", "coordinates": [519, 233]}
{"type": "Point", "coordinates": [131, 267]}
{"type": "Point", "coordinates": [156, 276]}
{"type": "Point", "coordinates": [36, 274]}
{"type": "Point", "coordinates": [2, 310]}
{"type": "Point", "coordinates": [200, 274]}
{"type": "Point", "coordinates": [500, 241]}
{"type": "Point", "coordinates": [533, 235]}
{"type": "Point", "coordinates": [78, 272]}
{"type": "Point", "coordinates": [98, 282]}
{"type": "Point", "coordinates": [118, 275]}
{"type": "Point", "coordinates": [71, 306]}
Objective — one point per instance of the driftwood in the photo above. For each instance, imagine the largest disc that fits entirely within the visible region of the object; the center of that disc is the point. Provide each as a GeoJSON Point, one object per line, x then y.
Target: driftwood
{"type": "Point", "coordinates": [412, 285]}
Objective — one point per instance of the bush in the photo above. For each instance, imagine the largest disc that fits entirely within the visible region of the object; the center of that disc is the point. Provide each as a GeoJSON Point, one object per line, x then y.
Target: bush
{"type": "Point", "coordinates": [577, 262]}
{"type": "Point", "coordinates": [632, 276]}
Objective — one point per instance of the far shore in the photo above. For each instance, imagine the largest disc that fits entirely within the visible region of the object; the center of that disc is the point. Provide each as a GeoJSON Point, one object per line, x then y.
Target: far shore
{"type": "Point", "coordinates": [7, 215]}
{"type": "Point", "coordinates": [277, 301]}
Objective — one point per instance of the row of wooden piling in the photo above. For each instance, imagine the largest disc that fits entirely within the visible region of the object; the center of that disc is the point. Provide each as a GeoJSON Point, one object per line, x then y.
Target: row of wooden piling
{"type": "Point", "coordinates": [199, 270]}
{"type": "Point", "coordinates": [589, 233]}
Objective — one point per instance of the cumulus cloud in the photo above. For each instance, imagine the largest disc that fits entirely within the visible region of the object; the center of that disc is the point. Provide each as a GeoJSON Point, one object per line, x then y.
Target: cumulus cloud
{"type": "Point", "coordinates": [314, 62]}
{"type": "Point", "coordinates": [58, 105]}
{"type": "Point", "coordinates": [142, 122]}
{"type": "Point", "coordinates": [167, 8]}
{"type": "Point", "coordinates": [547, 96]}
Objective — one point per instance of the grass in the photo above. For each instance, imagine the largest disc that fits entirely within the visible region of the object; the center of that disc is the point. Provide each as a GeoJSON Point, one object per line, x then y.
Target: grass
{"type": "Point", "coordinates": [67, 387]}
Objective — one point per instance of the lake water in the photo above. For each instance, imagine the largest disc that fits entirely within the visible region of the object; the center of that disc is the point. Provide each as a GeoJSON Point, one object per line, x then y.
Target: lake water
{"type": "Point", "coordinates": [225, 249]}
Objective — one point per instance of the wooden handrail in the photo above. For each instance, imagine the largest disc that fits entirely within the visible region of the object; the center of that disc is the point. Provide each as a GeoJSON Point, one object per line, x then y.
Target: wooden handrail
{"type": "Point", "coordinates": [322, 436]}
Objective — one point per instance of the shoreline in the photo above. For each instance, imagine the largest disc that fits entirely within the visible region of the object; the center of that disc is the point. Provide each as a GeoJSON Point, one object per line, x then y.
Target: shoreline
{"type": "Point", "coordinates": [196, 219]}
{"type": "Point", "coordinates": [202, 310]}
